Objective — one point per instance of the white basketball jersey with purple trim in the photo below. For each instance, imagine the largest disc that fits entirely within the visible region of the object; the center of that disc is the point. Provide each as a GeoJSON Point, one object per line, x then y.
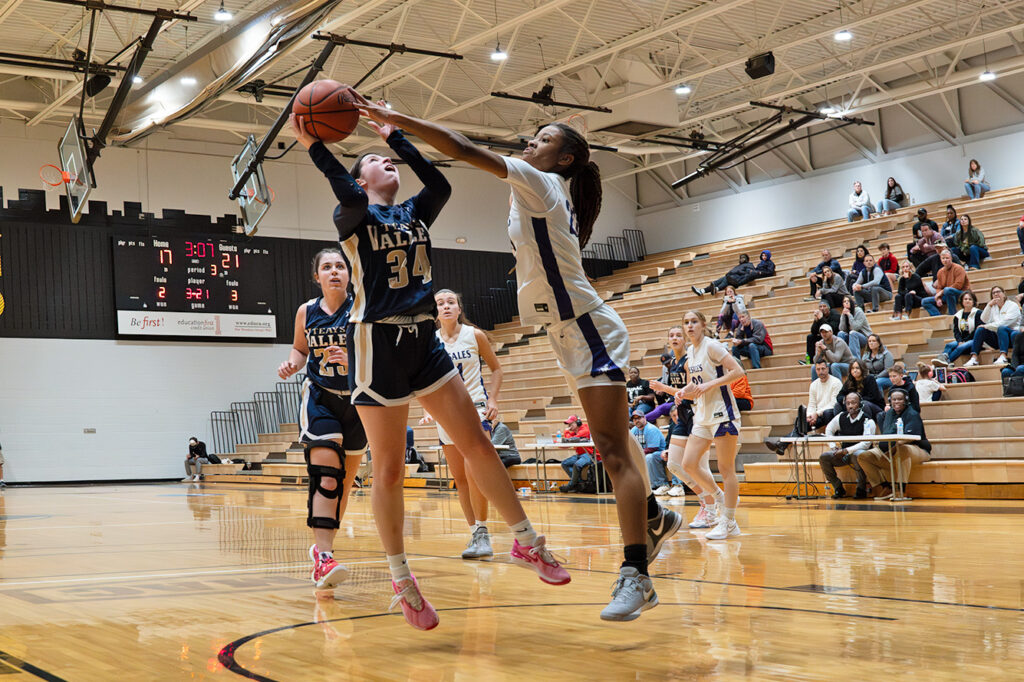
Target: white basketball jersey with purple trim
{"type": "Point", "coordinates": [465, 355]}
{"type": "Point", "coordinates": [549, 268]}
{"type": "Point", "coordinates": [704, 364]}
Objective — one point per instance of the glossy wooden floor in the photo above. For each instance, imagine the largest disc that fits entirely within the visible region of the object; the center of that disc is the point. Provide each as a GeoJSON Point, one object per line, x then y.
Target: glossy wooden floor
{"type": "Point", "coordinates": [167, 582]}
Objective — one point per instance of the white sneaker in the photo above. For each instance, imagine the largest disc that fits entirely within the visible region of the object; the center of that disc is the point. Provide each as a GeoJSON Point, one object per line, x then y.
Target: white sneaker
{"type": "Point", "coordinates": [677, 491]}
{"type": "Point", "coordinates": [725, 528]}
{"type": "Point", "coordinates": [1001, 360]}
{"type": "Point", "coordinates": [196, 477]}
{"type": "Point", "coordinates": [705, 518]}
{"type": "Point", "coordinates": [973, 362]}
{"type": "Point", "coordinates": [661, 490]}
{"type": "Point", "coordinates": [941, 361]}
{"type": "Point", "coordinates": [187, 479]}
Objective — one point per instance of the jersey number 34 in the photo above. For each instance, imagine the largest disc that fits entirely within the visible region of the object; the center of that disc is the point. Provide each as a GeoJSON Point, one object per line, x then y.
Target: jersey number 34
{"type": "Point", "coordinates": [399, 262]}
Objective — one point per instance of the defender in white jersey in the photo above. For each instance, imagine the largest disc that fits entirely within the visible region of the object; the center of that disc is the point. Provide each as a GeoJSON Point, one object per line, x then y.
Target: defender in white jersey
{"type": "Point", "coordinates": [469, 350]}
{"type": "Point", "coordinates": [556, 196]}
{"type": "Point", "coordinates": [710, 372]}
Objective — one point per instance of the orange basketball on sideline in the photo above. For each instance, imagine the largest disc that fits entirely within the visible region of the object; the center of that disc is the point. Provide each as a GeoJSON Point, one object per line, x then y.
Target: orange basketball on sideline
{"type": "Point", "coordinates": [326, 110]}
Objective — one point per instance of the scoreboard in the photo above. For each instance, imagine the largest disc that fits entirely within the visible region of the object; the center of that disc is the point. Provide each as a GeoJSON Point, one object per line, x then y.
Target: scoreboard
{"type": "Point", "coordinates": [193, 287]}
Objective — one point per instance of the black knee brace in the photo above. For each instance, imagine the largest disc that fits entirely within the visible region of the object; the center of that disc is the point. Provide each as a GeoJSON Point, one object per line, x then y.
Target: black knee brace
{"type": "Point", "coordinates": [317, 473]}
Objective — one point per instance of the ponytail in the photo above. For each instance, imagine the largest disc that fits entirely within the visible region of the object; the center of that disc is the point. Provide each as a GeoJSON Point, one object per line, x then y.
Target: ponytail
{"type": "Point", "coordinates": [584, 181]}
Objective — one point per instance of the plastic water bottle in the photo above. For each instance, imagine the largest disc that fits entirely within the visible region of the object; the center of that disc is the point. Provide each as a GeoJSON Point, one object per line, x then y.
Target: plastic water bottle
{"type": "Point", "coordinates": [899, 426]}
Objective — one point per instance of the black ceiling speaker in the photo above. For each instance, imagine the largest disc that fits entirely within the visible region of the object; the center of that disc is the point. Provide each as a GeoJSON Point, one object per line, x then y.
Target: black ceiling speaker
{"type": "Point", "coordinates": [96, 84]}
{"type": "Point", "coordinates": [760, 65]}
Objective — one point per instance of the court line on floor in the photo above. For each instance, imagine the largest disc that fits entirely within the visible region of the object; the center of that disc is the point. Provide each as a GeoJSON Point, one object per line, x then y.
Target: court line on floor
{"type": "Point", "coordinates": [95, 526]}
{"type": "Point", "coordinates": [226, 656]}
{"type": "Point", "coordinates": [27, 667]}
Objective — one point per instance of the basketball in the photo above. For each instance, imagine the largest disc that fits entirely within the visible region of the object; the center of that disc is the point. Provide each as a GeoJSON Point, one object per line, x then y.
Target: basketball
{"type": "Point", "coordinates": [326, 110]}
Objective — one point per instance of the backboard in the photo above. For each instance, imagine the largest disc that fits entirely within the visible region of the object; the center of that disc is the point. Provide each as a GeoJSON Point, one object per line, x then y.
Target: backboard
{"type": "Point", "coordinates": [255, 197]}
{"type": "Point", "coordinates": [74, 162]}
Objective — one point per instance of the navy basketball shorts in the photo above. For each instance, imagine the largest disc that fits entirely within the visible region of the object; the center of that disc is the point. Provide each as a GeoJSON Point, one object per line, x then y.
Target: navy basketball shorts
{"type": "Point", "coordinates": [390, 364]}
{"type": "Point", "coordinates": [592, 349]}
{"type": "Point", "coordinates": [325, 415]}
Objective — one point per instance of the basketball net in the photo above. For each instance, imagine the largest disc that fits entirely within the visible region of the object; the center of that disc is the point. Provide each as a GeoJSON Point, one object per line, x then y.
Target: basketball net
{"type": "Point", "coordinates": [579, 124]}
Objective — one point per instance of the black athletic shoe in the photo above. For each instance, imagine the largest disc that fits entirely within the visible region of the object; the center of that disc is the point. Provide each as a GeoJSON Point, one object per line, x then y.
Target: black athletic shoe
{"type": "Point", "coordinates": [861, 494]}
{"type": "Point", "coordinates": [775, 446]}
{"type": "Point", "coordinates": [659, 529]}
{"type": "Point", "coordinates": [839, 493]}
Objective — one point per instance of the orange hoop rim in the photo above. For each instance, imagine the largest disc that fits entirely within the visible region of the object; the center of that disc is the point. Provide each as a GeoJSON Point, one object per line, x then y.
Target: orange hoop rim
{"type": "Point", "coordinates": [64, 176]}
{"type": "Point", "coordinates": [251, 193]}
{"type": "Point", "coordinates": [579, 122]}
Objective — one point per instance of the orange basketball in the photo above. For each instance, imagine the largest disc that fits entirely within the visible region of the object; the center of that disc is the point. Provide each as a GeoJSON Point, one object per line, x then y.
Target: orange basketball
{"type": "Point", "coordinates": [325, 110]}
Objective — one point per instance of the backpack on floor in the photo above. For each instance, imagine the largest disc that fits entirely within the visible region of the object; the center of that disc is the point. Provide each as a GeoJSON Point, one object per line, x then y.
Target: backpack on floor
{"type": "Point", "coordinates": [1013, 386]}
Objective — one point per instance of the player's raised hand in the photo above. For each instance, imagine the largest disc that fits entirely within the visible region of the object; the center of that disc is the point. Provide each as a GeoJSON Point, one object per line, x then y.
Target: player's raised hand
{"type": "Point", "coordinates": [304, 138]}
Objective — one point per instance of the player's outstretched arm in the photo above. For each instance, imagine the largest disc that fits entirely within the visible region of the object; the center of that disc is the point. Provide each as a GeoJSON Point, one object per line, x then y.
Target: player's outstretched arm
{"type": "Point", "coordinates": [448, 142]}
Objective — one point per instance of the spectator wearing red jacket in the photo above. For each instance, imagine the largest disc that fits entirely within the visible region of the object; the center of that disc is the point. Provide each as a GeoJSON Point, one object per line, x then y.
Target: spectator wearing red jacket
{"type": "Point", "coordinates": [575, 465]}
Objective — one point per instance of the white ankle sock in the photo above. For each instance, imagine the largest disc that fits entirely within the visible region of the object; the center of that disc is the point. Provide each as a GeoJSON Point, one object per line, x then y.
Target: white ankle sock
{"type": "Point", "coordinates": [707, 499]}
{"type": "Point", "coordinates": [399, 566]}
{"type": "Point", "coordinates": [524, 533]}
{"type": "Point", "coordinates": [729, 513]}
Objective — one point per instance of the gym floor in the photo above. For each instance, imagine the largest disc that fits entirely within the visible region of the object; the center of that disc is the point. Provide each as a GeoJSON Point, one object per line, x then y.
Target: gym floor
{"type": "Point", "coordinates": [156, 582]}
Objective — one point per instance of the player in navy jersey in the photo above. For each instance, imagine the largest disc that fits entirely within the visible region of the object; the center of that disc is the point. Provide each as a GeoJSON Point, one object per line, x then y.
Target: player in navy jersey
{"type": "Point", "coordinates": [556, 197]}
{"type": "Point", "coordinates": [329, 426]}
{"type": "Point", "coordinates": [394, 354]}
{"type": "Point", "coordinates": [680, 430]}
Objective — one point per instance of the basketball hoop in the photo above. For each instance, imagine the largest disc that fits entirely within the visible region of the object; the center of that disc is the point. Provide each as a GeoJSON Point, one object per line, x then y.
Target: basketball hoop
{"type": "Point", "coordinates": [53, 177]}
{"type": "Point", "coordinates": [578, 122]}
{"type": "Point", "coordinates": [251, 193]}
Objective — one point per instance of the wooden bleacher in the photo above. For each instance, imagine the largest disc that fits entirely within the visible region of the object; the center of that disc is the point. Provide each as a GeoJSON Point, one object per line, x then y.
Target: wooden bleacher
{"type": "Point", "coordinates": [978, 436]}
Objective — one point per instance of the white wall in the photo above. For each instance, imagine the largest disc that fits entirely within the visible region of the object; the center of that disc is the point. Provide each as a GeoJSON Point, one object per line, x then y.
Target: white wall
{"type": "Point", "coordinates": [143, 398]}
{"type": "Point", "coordinates": [164, 172]}
{"type": "Point", "coordinates": [927, 176]}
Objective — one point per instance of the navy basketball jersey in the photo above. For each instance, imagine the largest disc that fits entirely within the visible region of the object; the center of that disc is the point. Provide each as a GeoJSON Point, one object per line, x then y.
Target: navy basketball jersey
{"type": "Point", "coordinates": [677, 372]}
{"type": "Point", "coordinates": [390, 259]}
{"type": "Point", "coordinates": [323, 330]}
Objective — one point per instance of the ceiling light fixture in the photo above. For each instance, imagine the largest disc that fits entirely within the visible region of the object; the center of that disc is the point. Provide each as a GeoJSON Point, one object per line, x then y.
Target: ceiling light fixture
{"type": "Point", "coordinates": [987, 75]}
{"type": "Point", "coordinates": [222, 14]}
{"type": "Point", "coordinates": [828, 111]}
{"type": "Point", "coordinates": [683, 90]}
{"type": "Point", "coordinates": [136, 79]}
{"type": "Point", "coordinates": [843, 36]}
{"type": "Point", "coordinates": [188, 80]}
{"type": "Point", "coordinates": [499, 55]}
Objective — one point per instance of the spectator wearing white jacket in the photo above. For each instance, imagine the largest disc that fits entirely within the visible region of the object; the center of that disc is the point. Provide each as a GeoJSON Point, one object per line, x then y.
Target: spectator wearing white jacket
{"type": "Point", "coordinates": [821, 396]}
{"type": "Point", "coordinates": [1000, 323]}
{"type": "Point", "coordinates": [733, 306]}
{"type": "Point", "coordinates": [853, 326]}
{"type": "Point", "coordinates": [860, 203]}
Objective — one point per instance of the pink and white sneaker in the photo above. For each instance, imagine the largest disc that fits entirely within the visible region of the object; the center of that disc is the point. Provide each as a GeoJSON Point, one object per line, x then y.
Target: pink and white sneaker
{"type": "Point", "coordinates": [541, 560]}
{"type": "Point", "coordinates": [705, 518]}
{"type": "Point", "coordinates": [417, 611]}
{"type": "Point", "coordinates": [326, 574]}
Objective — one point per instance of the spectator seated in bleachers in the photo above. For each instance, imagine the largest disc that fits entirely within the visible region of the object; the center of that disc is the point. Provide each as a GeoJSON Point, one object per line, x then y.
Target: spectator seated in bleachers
{"type": "Point", "coordinates": [910, 292]}
{"type": "Point", "coordinates": [851, 422]}
{"type": "Point", "coordinates": [1016, 366]}
{"type": "Point", "coordinates": [928, 270]}
{"type": "Point", "coordinates": [195, 460]}
{"type": "Point", "coordinates": [575, 465]}
{"type": "Point", "coordinates": [922, 220]}
{"type": "Point", "coordinates": [952, 224]}
{"type": "Point", "coordinates": [966, 321]}
{"type": "Point", "coordinates": [833, 350]}
{"type": "Point", "coordinates": [899, 381]}
{"type": "Point", "coordinates": [860, 203]}
{"type": "Point", "coordinates": [894, 198]}
{"type": "Point", "coordinates": [1000, 323]}
{"type": "Point", "coordinates": [889, 264]}
{"type": "Point", "coordinates": [639, 393]}
{"type": "Point", "coordinates": [822, 315]}
{"type": "Point", "coordinates": [878, 360]}
{"type": "Point", "coordinates": [860, 381]}
{"type": "Point", "coordinates": [741, 391]}
{"type": "Point", "coordinates": [820, 408]}
{"type": "Point", "coordinates": [853, 326]}
{"type": "Point", "coordinates": [925, 246]}
{"type": "Point", "coordinates": [832, 287]}
{"type": "Point", "coordinates": [928, 389]}
{"type": "Point", "coordinates": [872, 284]}
{"type": "Point", "coordinates": [743, 273]}
{"type": "Point", "coordinates": [752, 340]}
{"type": "Point", "coordinates": [502, 435]}
{"type": "Point", "coordinates": [875, 465]}
{"type": "Point", "coordinates": [950, 282]}
{"type": "Point", "coordinates": [729, 316]}
{"type": "Point", "coordinates": [814, 276]}
{"type": "Point", "coordinates": [969, 243]}
{"type": "Point", "coordinates": [655, 452]}
{"type": "Point", "coordinates": [976, 185]}
{"type": "Point", "coordinates": [1020, 233]}
{"type": "Point", "coordinates": [1020, 290]}
{"type": "Point", "coordinates": [858, 265]}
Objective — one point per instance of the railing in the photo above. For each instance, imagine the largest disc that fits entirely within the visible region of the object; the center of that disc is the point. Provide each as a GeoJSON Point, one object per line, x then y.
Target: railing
{"type": "Point", "coordinates": [602, 258]}
{"type": "Point", "coordinates": [246, 420]}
